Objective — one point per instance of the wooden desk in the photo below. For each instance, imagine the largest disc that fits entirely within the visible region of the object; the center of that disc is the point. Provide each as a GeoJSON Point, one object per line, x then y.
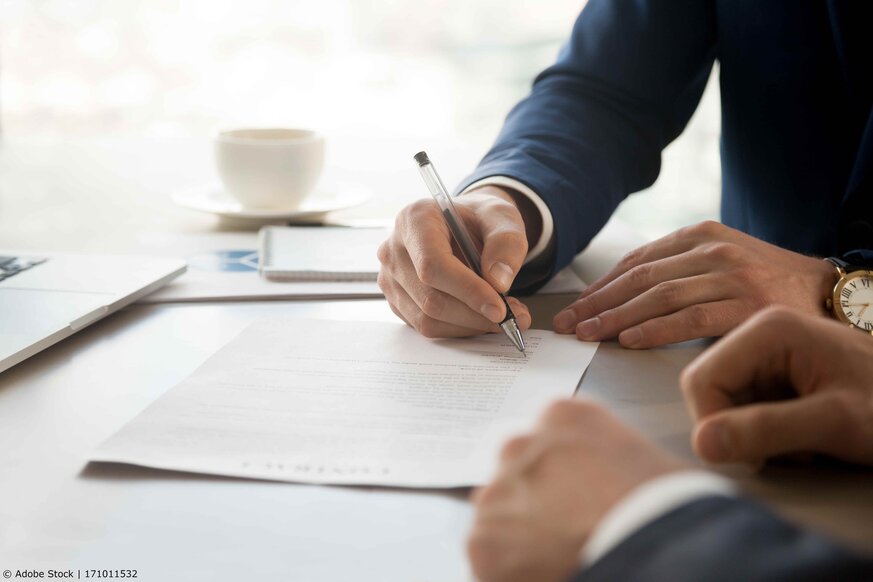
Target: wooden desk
{"type": "Point", "coordinates": [56, 407]}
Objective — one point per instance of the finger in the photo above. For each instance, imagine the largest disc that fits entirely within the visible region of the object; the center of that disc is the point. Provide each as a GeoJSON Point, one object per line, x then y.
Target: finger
{"type": "Point", "coordinates": [630, 284]}
{"type": "Point", "coordinates": [522, 313]}
{"type": "Point", "coordinates": [822, 423]}
{"type": "Point", "coordinates": [696, 321]}
{"type": "Point", "coordinates": [569, 413]}
{"type": "Point", "coordinates": [387, 285]}
{"type": "Point", "coordinates": [435, 303]}
{"type": "Point", "coordinates": [662, 299]}
{"type": "Point", "coordinates": [504, 241]}
{"type": "Point", "coordinates": [675, 243]}
{"type": "Point", "coordinates": [427, 241]}
{"type": "Point", "coordinates": [762, 349]}
{"type": "Point", "coordinates": [499, 548]}
{"type": "Point", "coordinates": [408, 310]}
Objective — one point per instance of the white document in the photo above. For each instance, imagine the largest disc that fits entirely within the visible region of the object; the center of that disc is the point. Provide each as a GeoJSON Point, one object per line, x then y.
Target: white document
{"type": "Point", "coordinates": [223, 266]}
{"type": "Point", "coordinates": [352, 403]}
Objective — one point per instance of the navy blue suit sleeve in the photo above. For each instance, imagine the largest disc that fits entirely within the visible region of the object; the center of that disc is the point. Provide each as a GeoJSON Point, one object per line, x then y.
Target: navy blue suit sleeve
{"type": "Point", "coordinates": [717, 538]}
{"type": "Point", "coordinates": [592, 130]}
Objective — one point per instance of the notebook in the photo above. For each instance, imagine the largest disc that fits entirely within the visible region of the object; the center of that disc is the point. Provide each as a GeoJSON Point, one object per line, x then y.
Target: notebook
{"type": "Point", "coordinates": [320, 253]}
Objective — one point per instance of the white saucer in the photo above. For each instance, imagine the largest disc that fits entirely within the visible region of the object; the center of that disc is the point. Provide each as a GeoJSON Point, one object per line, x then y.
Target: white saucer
{"type": "Point", "coordinates": [213, 198]}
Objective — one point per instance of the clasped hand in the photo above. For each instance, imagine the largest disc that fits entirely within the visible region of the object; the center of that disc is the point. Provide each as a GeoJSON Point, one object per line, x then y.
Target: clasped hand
{"type": "Point", "coordinates": [780, 383]}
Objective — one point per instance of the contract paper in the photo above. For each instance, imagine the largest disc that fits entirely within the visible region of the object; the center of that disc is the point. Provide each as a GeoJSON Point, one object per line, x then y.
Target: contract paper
{"type": "Point", "coordinates": [362, 403]}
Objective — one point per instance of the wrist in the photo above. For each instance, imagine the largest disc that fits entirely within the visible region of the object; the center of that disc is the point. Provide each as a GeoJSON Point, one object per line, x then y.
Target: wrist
{"type": "Point", "coordinates": [647, 502]}
{"type": "Point", "coordinates": [826, 277]}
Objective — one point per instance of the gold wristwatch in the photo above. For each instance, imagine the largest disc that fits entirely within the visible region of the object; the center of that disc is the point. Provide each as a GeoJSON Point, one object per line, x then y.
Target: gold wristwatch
{"type": "Point", "coordinates": [852, 298]}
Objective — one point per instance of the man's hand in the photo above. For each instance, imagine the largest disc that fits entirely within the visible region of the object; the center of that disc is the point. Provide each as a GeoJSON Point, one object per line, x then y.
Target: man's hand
{"type": "Point", "coordinates": [783, 383]}
{"type": "Point", "coordinates": [553, 486]}
{"type": "Point", "coordinates": [700, 281]}
{"type": "Point", "coordinates": [426, 281]}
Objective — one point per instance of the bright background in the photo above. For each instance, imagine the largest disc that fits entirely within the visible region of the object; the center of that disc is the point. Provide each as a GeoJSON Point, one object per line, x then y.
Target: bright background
{"type": "Point", "coordinates": [180, 68]}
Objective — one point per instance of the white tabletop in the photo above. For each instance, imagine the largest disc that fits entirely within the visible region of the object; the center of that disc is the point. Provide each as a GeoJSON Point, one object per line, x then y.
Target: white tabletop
{"type": "Point", "coordinates": [58, 511]}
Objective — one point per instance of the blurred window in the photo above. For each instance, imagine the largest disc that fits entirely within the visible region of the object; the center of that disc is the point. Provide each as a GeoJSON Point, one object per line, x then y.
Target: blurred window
{"type": "Point", "coordinates": [182, 67]}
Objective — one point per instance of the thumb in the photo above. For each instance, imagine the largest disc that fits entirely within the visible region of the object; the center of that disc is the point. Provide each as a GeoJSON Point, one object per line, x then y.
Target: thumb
{"type": "Point", "coordinates": [504, 244]}
{"type": "Point", "coordinates": [751, 434]}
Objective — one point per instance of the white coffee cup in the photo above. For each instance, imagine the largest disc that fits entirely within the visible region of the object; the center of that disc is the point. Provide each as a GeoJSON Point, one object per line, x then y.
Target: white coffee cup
{"type": "Point", "coordinates": [269, 167]}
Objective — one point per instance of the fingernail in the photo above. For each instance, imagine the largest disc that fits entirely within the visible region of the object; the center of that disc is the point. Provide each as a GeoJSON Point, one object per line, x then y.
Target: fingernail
{"type": "Point", "coordinates": [630, 338]}
{"type": "Point", "coordinates": [565, 321]}
{"type": "Point", "coordinates": [492, 312]}
{"type": "Point", "coordinates": [502, 274]}
{"type": "Point", "coordinates": [715, 442]}
{"type": "Point", "coordinates": [588, 327]}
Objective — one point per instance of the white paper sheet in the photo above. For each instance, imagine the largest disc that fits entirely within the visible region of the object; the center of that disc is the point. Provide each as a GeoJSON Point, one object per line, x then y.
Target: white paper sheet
{"type": "Point", "coordinates": [352, 403]}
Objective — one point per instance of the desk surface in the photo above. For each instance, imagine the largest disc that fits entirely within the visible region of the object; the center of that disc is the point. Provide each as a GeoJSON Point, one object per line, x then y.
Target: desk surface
{"type": "Point", "coordinates": [55, 511]}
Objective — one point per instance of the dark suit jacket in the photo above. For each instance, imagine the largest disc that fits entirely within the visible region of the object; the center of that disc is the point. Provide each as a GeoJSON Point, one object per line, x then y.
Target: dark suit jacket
{"type": "Point", "coordinates": [796, 82]}
{"type": "Point", "coordinates": [717, 538]}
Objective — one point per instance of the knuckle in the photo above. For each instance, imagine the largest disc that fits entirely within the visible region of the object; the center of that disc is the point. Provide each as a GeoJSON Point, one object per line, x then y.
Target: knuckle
{"type": "Point", "coordinates": [428, 270]}
{"type": "Point", "coordinates": [586, 306]}
{"type": "Point", "coordinates": [699, 317]}
{"type": "Point", "coordinates": [428, 327]}
{"type": "Point", "coordinates": [723, 251]}
{"type": "Point", "coordinates": [608, 320]}
{"type": "Point", "coordinates": [690, 378]}
{"type": "Point", "coordinates": [383, 281]}
{"type": "Point", "coordinates": [413, 214]}
{"type": "Point", "coordinates": [640, 276]}
{"type": "Point", "coordinates": [383, 253]}
{"type": "Point", "coordinates": [433, 303]}
{"type": "Point", "coordinates": [668, 293]}
{"type": "Point", "coordinates": [705, 229]}
{"type": "Point", "coordinates": [396, 312]}
{"type": "Point", "coordinates": [746, 278]}
{"type": "Point", "coordinates": [631, 258]}
{"type": "Point", "coordinates": [755, 302]}
{"type": "Point", "coordinates": [419, 207]}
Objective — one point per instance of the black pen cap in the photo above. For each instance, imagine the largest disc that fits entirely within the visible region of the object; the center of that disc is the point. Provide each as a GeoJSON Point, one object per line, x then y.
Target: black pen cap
{"type": "Point", "coordinates": [421, 158]}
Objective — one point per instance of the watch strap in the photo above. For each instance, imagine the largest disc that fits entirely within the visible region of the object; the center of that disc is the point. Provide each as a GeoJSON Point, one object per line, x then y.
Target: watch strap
{"type": "Point", "coordinates": [838, 263]}
{"type": "Point", "coordinates": [859, 259]}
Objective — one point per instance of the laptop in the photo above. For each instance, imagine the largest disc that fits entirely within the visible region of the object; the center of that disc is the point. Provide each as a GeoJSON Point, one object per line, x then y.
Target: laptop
{"type": "Point", "coordinates": [47, 297]}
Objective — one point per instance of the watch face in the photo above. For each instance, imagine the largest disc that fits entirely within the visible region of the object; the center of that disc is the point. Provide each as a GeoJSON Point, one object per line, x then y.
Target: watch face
{"type": "Point", "coordinates": [853, 300]}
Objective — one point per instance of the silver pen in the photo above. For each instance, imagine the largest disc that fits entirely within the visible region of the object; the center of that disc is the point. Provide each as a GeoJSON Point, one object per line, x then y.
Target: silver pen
{"type": "Point", "coordinates": [465, 242]}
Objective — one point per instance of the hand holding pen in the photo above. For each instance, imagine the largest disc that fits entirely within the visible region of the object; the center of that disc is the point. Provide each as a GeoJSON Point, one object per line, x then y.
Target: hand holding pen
{"type": "Point", "coordinates": [464, 240]}
{"type": "Point", "coordinates": [431, 287]}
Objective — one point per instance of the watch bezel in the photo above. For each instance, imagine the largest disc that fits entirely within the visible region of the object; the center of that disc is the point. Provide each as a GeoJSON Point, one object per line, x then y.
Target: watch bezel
{"type": "Point", "coordinates": [838, 289]}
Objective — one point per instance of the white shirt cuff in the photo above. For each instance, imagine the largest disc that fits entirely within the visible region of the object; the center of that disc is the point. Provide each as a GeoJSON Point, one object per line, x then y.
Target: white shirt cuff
{"type": "Point", "coordinates": [545, 213]}
{"type": "Point", "coordinates": [647, 503]}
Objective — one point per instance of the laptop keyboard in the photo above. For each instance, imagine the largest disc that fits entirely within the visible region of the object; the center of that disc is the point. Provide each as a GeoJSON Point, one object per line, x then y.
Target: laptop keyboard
{"type": "Point", "coordinates": [10, 266]}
